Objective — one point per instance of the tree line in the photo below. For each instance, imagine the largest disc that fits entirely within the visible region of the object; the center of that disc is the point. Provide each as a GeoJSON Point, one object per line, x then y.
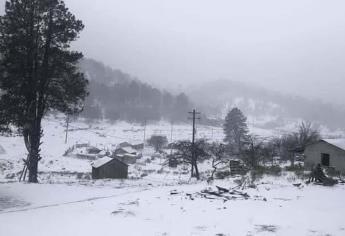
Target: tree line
{"type": "Point", "coordinates": [114, 95]}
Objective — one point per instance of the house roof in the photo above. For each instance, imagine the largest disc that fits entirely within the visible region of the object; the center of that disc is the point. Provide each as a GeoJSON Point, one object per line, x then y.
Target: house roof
{"type": "Point", "coordinates": [100, 162]}
{"type": "Point", "coordinates": [340, 143]}
{"type": "Point", "coordinates": [129, 150]}
{"type": "Point", "coordinates": [126, 155]}
{"type": "Point", "coordinates": [104, 160]}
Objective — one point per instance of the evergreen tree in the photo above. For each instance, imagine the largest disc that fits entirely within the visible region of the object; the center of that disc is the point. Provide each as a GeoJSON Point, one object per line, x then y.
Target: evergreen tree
{"type": "Point", "coordinates": [38, 71]}
{"type": "Point", "coordinates": [235, 130]}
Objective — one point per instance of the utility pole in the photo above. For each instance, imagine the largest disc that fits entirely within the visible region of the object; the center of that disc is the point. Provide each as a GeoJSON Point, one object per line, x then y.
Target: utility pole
{"type": "Point", "coordinates": [144, 133]}
{"type": "Point", "coordinates": [67, 126]}
{"type": "Point", "coordinates": [171, 132]}
{"type": "Point", "coordinates": [171, 136]}
{"type": "Point", "coordinates": [194, 157]}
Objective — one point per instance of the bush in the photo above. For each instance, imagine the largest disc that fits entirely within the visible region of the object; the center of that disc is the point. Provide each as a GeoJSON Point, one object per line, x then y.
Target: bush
{"type": "Point", "coordinates": [266, 170]}
{"type": "Point", "coordinates": [297, 169]}
{"type": "Point", "coordinates": [157, 142]}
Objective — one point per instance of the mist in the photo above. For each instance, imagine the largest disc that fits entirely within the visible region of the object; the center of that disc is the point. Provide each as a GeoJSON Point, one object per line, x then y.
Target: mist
{"type": "Point", "coordinates": [294, 47]}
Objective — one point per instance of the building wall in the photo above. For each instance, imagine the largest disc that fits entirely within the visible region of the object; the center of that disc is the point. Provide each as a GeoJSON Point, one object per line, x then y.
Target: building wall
{"type": "Point", "coordinates": [111, 170]}
{"type": "Point", "coordinates": [313, 155]}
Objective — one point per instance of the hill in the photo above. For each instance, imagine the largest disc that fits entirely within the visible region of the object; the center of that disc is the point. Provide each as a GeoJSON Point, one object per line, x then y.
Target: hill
{"type": "Point", "coordinates": [269, 108]}
{"type": "Point", "coordinates": [116, 95]}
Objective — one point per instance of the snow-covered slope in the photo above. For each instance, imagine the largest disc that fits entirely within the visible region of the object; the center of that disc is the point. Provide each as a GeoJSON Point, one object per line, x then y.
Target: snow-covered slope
{"type": "Point", "coordinates": [217, 97]}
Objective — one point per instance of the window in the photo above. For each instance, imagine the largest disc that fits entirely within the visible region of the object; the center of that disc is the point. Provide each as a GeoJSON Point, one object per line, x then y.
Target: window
{"type": "Point", "coordinates": [324, 159]}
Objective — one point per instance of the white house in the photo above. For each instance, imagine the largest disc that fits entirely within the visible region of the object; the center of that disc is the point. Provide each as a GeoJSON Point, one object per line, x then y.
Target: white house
{"type": "Point", "coordinates": [327, 152]}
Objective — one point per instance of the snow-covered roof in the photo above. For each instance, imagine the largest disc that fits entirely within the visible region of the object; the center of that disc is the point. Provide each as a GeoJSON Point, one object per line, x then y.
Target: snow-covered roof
{"type": "Point", "coordinates": [126, 155]}
{"type": "Point", "coordinates": [129, 150]}
{"type": "Point", "coordinates": [340, 143]}
{"type": "Point", "coordinates": [102, 161]}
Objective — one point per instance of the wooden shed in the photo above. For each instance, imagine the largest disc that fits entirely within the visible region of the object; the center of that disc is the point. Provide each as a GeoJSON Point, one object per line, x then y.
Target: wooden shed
{"type": "Point", "coordinates": [127, 155]}
{"type": "Point", "coordinates": [109, 168]}
{"type": "Point", "coordinates": [330, 153]}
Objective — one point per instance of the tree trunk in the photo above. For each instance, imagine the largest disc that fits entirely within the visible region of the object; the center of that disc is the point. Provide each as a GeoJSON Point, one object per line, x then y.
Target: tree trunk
{"type": "Point", "coordinates": [196, 170]}
{"type": "Point", "coordinates": [34, 153]}
{"type": "Point", "coordinates": [192, 170]}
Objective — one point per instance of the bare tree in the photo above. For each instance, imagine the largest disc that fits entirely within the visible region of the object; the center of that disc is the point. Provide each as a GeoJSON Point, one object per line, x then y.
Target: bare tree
{"type": "Point", "coordinates": [184, 154]}
{"type": "Point", "coordinates": [254, 150]}
{"type": "Point", "coordinates": [218, 153]}
{"type": "Point", "coordinates": [307, 134]}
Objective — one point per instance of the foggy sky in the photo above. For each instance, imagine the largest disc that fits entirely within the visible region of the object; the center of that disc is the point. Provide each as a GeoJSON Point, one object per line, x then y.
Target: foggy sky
{"type": "Point", "coordinates": [295, 46]}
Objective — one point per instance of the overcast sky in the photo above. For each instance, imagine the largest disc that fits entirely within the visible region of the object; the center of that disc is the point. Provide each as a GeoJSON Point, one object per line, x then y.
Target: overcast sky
{"type": "Point", "coordinates": [293, 46]}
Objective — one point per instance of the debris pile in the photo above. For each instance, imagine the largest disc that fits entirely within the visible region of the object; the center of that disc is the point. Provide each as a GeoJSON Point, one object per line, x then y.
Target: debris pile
{"type": "Point", "coordinates": [318, 176]}
{"type": "Point", "coordinates": [220, 193]}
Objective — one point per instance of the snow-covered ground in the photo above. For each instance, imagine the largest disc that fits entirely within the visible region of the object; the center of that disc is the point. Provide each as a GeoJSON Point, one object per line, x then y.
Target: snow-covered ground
{"type": "Point", "coordinates": [156, 199]}
{"type": "Point", "coordinates": [113, 209]}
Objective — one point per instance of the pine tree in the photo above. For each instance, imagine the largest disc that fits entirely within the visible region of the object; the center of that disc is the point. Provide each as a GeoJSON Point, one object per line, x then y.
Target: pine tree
{"type": "Point", "coordinates": [38, 71]}
{"type": "Point", "coordinates": [235, 130]}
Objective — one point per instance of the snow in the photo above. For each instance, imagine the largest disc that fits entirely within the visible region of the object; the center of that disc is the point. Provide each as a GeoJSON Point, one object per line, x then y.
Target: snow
{"type": "Point", "coordinates": [2, 150]}
{"type": "Point", "coordinates": [102, 161]}
{"type": "Point", "coordinates": [340, 143]}
{"type": "Point", "coordinates": [152, 210]}
{"type": "Point", "coordinates": [68, 202]}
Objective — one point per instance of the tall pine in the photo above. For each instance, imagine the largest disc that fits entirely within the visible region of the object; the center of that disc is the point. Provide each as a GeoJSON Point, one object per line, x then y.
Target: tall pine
{"type": "Point", "coordinates": [38, 70]}
{"type": "Point", "coordinates": [235, 130]}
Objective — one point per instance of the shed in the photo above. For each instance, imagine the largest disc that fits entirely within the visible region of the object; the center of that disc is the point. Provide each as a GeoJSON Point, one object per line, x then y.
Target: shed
{"type": "Point", "coordinates": [126, 150]}
{"type": "Point", "coordinates": [327, 152]}
{"type": "Point", "coordinates": [109, 168]}
{"type": "Point", "coordinates": [126, 158]}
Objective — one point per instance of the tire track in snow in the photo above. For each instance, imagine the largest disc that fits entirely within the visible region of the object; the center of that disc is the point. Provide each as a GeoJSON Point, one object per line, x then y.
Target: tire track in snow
{"type": "Point", "coordinates": [73, 202]}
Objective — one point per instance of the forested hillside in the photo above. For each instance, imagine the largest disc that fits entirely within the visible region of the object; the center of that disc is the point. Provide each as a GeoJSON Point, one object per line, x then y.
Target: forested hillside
{"type": "Point", "coordinates": [115, 95]}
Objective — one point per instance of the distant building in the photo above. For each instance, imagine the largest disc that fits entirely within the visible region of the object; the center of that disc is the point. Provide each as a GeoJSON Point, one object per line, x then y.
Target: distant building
{"type": "Point", "coordinates": [327, 152]}
{"type": "Point", "coordinates": [138, 147]}
{"type": "Point", "coordinates": [109, 168]}
{"type": "Point", "coordinates": [126, 150]}
{"type": "Point", "coordinates": [125, 144]}
{"type": "Point", "coordinates": [127, 155]}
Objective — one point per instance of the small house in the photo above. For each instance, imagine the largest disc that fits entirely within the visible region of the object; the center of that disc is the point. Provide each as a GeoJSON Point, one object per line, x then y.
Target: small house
{"type": "Point", "coordinates": [125, 144]}
{"type": "Point", "coordinates": [138, 147]}
{"type": "Point", "coordinates": [109, 168]}
{"type": "Point", "coordinates": [329, 153]}
{"type": "Point", "coordinates": [126, 150]}
{"type": "Point", "coordinates": [127, 155]}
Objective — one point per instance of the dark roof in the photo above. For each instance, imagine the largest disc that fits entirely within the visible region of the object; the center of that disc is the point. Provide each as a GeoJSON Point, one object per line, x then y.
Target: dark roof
{"type": "Point", "coordinates": [105, 160]}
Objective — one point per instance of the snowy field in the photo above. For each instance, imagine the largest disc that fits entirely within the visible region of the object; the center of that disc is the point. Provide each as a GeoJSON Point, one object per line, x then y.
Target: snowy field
{"type": "Point", "coordinates": [156, 199]}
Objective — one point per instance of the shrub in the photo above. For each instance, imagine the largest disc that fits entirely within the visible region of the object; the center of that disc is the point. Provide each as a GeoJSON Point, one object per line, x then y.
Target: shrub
{"type": "Point", "coordinates": [297, 169]}
{"type": "Point", "coordinates": [259, 171]}
{"type": "Point", "coordinates": [157, 142]}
